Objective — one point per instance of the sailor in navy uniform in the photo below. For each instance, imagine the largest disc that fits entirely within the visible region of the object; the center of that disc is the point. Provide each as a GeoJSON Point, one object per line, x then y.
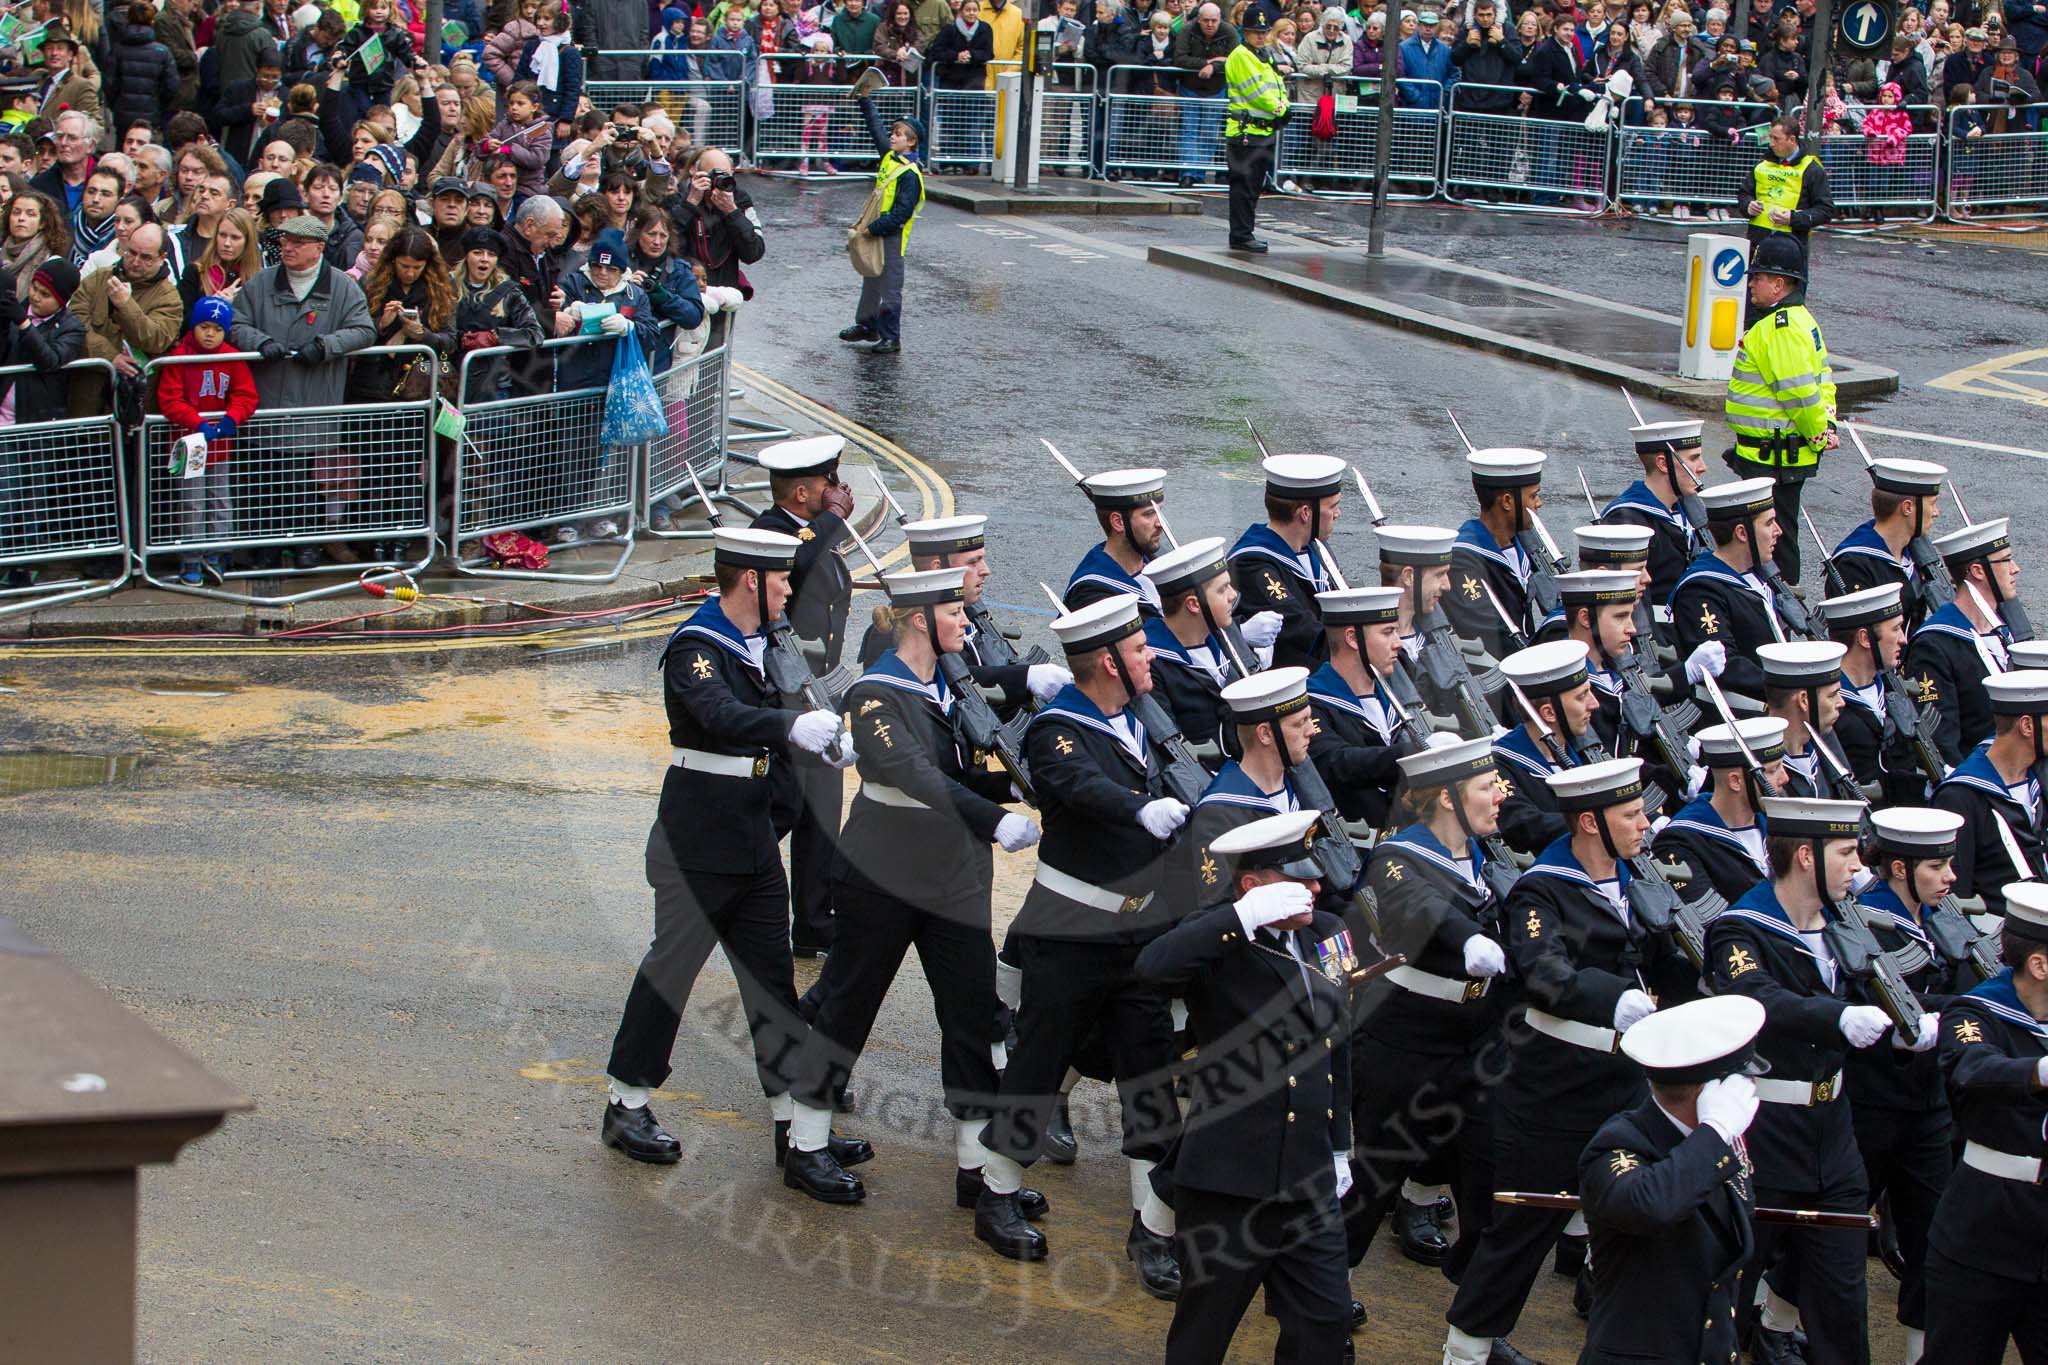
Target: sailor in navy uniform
{"type": "Point", "coordinates": [1871, 628]}
{"type": "Point", "coordinates": [914, 869]}
{"type": "Point", "coordinates": [1667, 1189]}
{"type": "Point", "coordinates": [811, 504]}
{"type": "Point", "coordinates": [1278, 566]}
{"type": "Point", "coordinates": [1126, 506]}
{"type": "Point", "coordinates": [1489, 554]}
{"type": "Point", "coordinates": [1417, 560]}
{"type": "Point", "coordinates": [1987, 1279]}
{"type": "Point", "coordinates": [1722, 596]}
{"type": "Point", "coordinates": [1803, 688]}
{"type": "Point", "coordinates": [1093, 904]}
{"type": "Point", "coordinates": [712, 856]}
{"type": "Point", "coordinates": [1264, 1156]}
{"type": "Point", "coordinates": [1997, 791]}
{"type": "Point", "coordinates": [1428, 1040]}
{"type": "Point", "coordinates": [1622, 548]}
{"type": "Point", "coordinates": [1674, 467]}
{"type": "Point", "coordinates": [1553, 677]}
{"type": "Point", "coordinates": [1771, 945]}
{"type": "Point", "coordinates": [1194, 647]}
{"type": "Point", "coordinates": [1357, 739]}
{"type": "Point", "coordinates": [1959, 646]}
{"type": "Point", "coordinates": [1270, 715]}
{"type": "Point", "coordinates": [1590, 970]}
{"type": "Point", "coordinates": [1905, 501]}
{"type": "Point", "coordinates": [1897, 1102]}
{"type": "Point", "coordinates": [1719, 834]}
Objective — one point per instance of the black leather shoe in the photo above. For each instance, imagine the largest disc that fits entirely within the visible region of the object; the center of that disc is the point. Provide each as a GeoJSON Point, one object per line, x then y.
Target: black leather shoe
{"type": "Point", "coordinates": [999, 1222]}
{"type": "Point", "coordinates": [1421, 1240]}
{"type": "Point", "coordinates": [885, 346]}
{"type": "Point", "coordinates": [1776, 1348]}
{"type": "Point", "coordinates": [847, 1151]}
{"type": "Point", "coordinates": [636, 1133]}
{"type": "Point", "coordinates": [1570, 1257]}
{"type": "Point", "coordinates": [1061, 1147]}
{"type": "Point", "coordinates": [1158, 1271]}
{"type": "Point", "coordinates": [1504, 1353]}
{"type": "Point", "coordinates": [1582, 1293]}
{"type": "Point", "coordinates": [823, 1179]}
{"type": "Point", "coordinates": [857, 332]}
{"type": "Point", "coordinates": [967, 1188]}
{"type": "Point", "coordinates": [1357, 1315]}
{"type": "Point", "coordinates": [1251, 244]}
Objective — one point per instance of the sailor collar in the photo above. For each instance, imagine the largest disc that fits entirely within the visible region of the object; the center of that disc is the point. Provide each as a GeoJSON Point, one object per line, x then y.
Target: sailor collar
{"type": "Point", "coordinates": [1699, 816]}
{"type": "Point", "coordinates": [1260, 541]}
{"type": "Point", "coordinates": [1474, 536]}
{"type": "Point", "coordinates": [1638, 495]}
{"type": "Point", "coordinates": [1948, 619]}
{"type": "Point", "coordinates": [1851, 692]}
{"type": "Point", "coordinates": [709, 622]}
{"type": "Point", "coordinates": [1328, 685]}
{"type": "Point", "coordinates": [1417, 841]}
{"type": "Point", "coordinates": [1760, 906]}
{"type": "Point", "coordinates": [1865, 541]}
{"type": "Point", "coordinates": [1998, 995]}
{"type": "Point", "coordinates": [1977, 770]}
{"type": "Point", "coordinates": [1557, 861]}
{"type": "Point", "coordinates": [1167, 646]}
{"type": "Point", "coordinates": [1711, 565]}
{"type": "Point", "coordinates": [1518, 746]}
{"type": "Point", "coordinates": [1071, 704]}
{"type": "Point", "coordinates": [1880, 896]}
{"type": "Point", "coordinates": [890, 671]}
{"type": "Point", "coordinates": [1097, 567]}
{"type": "Point", "coordinates": [1233, 786]}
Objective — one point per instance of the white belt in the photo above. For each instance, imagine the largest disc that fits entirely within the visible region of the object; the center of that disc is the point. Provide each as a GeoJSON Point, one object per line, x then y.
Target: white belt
{"type": "Point", "coordinates": [1806, 1094]}
{"type": "Point", "coordinates": [2004, 1165]}
{"type": "Point", "coordinates": [1589, 1036]}
{"type": "Point", "coordinates": [891, 796]}
{"type": "Point", "coordinates": [725, 765]}
{"type": "Point", "coordinates": [1457, 990]}
{"type": "Point", "coordinates": [1088, 894]}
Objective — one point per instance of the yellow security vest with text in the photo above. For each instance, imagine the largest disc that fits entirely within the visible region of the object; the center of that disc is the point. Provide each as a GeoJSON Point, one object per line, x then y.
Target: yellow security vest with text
{"type": "Point", "coordinates": [1778, 184]}
{"type": "Point", "coordinates": [1257, 95]}
{"type": "Point", "coordinates": [1781, 396]}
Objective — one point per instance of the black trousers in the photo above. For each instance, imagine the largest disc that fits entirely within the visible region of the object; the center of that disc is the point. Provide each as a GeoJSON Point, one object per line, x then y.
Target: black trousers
{"type": "Point", "coordinates": [693, 912]}
{"type": "Point", "coordinates": [1785, 495]}
{"type": "Point", "coordinates": [959, 963]}
{"type": "Point", "coordinates": [1906, 1155]}
{"type": "Point", "coordinates": [821, 794]}
{"type": "Point", "coordinates": [1229, 1245]}
{"type": "Point", "coordinates": [1070, 989]}
{"type": "Point", "coordinates": [1250, 160]}
{"type": "Point", "coordinates": [1972, 1313]}
{"type": "Point", "coordinates": [1824, 1270]}
{"type": "Point", "coordinates": [1504, 1266]}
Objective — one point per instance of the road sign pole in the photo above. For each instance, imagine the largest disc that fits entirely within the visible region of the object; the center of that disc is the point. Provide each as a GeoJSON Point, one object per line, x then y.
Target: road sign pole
{"type": "Point", "coordinates": [1823, 62]}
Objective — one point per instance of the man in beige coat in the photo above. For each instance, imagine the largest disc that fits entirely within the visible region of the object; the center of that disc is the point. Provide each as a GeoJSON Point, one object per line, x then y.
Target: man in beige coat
{"type": "Point", "coordinates": [132, 313]}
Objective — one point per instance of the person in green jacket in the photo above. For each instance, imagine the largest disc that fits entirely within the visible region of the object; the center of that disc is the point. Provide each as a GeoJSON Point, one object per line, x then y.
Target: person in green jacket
{"type": "Point", "coordinates": [878, 319]}
{"type": "Point", "coordinates": [853, 35]}
{"type": "Point", "coordinates": [1256, 106]}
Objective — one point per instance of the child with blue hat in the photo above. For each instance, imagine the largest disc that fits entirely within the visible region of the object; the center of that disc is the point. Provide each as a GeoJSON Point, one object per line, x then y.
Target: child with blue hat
{"type": "Point", "coordinates": [899, 186]}
{"type": "Point", "coordinates": [208, 398]}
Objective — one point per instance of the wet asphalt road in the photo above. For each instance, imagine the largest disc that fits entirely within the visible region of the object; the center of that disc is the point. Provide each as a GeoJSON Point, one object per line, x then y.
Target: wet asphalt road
{"type": "Point", "coordinates": [396, 896]}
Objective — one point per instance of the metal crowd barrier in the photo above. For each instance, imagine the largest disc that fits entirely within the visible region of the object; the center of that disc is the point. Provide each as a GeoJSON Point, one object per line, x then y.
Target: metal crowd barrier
{"type": "Point", "coordinates": [1331, 165]}
{"type": "Point", "coordinates": [1530, 164]}
{"type": "Point", "coordinates": [1996, 175]}
{"type": "Point", "coordinates": [712, 112]}
{"type": "Point", "coordinates": [63, 499]}
{"type": "Point", "coordinates": [1160, 137]}
{"type": "Point", "coordinates": [1068, 115]}
{"type": "Point", "coordinates": [1908, 190]}
{"type": "Point", "coordinates": [807, 123]}
{"type": "Point", "coordinates": [1693, 166]}
{"type": "Point", "coordinates": [297, 479]}
{"type": "Point", "coordinates": [696, 399]}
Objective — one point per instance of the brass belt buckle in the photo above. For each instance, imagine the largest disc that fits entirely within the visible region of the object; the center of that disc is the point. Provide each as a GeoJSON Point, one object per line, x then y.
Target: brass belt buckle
{"type": "Point", "coordinates": [761, 766]}
{"type": "Point", "coordinates": [1132, 905]}
{"type": "Point", "coordinates": [1824, 1091]}
{"type": "Point", "coordinates": [1474, 990]}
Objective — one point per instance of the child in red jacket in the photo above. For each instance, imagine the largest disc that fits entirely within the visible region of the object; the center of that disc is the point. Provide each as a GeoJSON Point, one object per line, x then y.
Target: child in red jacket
{"type": "Point", "coordinates": [209, 398]}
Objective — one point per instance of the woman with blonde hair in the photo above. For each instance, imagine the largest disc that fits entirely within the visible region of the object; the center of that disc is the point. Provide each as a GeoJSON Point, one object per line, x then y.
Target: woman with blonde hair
{"type": "Point", "coordinates": [466, 148]}
{"type": "Point", "coordinates": [233, 257]}
{"type": "Point", "coordinates": [392, 206]}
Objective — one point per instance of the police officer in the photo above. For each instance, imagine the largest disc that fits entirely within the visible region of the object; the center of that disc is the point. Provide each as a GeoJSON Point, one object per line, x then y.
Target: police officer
{"type": "Point", "coordinates": [1674, 468]}
{"type": "Point", "coordinates": [1785, 195]}
{"type": "Point", "coordinates": [1667, 1189]}
{"type": "Point", "coordinates": [1554, 680]}
{"type": "Point", "coordinates": [1256, 107]}
{"type": "Point", "coordinates": [1193, 652]}
{"type": "Point", "coordinates": [1963, 643]}
{"type": "Point", "coordinates": [1126, 507]}
{"type": "Point", "coordinates": [1725, 594]}
{"type": "Point", "coordinates": [1905, 500]}
{"type": "Point", "coordinates": [1997, 791]}
{"type": "Point", "coordinates": [1871, 628]}
{"type": "Point", "coordinates": [1266, 972]}
{"type": "Point", "coordinates": [1719, 834]}
{"type": "Point", "coordinates": [812, 504]}
{"type": "Point", "coordinates": [1357, 739]}
{"type": "Point", "coordinates": [1781, 396]}
{"type": "Point", "coordinates": [1987, 1282]}
{"type": "Point", "coordinates": [1803, 688]}
{"type": "Point", "coordinates": [711, 856]}
{"type": "Point", "coordinates": [1489, 554]}
{"type": "Point", "coordinates": [1279, 566]}
{"type": "Point", "coordinates": [914, 869]}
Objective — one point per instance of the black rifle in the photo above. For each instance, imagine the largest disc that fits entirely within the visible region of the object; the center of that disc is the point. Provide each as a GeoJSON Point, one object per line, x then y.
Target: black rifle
{"type": "Point", "coordinates": [1951, 932]}
{"type": "Point", "coordinates": [1443, 666]}
{"type": "Point", "coordinates": [1857, 952]}
{"type": "Point", "coordinates": [1663, 729]}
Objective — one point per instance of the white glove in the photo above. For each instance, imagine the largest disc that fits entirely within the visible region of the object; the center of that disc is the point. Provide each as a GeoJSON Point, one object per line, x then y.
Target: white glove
{"type": "Point", "coordinates": [1863, 1025]}
{"type": "Point", "coordinates": [1930, 1034]}
{"type": "Point", "coordinates": [1633, 1006]}
{"type": "Point", "coordinates": [1343, 1163]}
{"type": "Point", "coordinates": [615, 325]}
{"type": "Point", "coordinates": [1657, 827]}
{"type": "Point", "coordinates": [573, 312]}
{"type": "Point", "coordinates": [1162, 817]}
{"type": "Point", "coordinates": [1727, 1106]}
{"type": "Point", "coordinates": [1483, 957]}
{"type": "Point", "coordinates": [1016, 832]}
{"type": "Point", "coordinates": [1275, 901]}
{"type": "Point", "coordinates": [1261, 630]}
{"type": "Point", "coordinates": [813, 731]}
{"type": "Point", "coordinates": [1043, 681]}
{"type": "Point", "coordinates": [722, 298]}
{"type": "Point", "coordinates": [2041, 1073]}
{"type": "Point", "coordinates": [1695, 780]}
{"type": "Point", "coordinates": [1706, 661]}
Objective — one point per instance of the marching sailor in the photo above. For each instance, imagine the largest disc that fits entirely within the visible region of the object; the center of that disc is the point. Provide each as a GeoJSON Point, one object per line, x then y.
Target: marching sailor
{"type": "Point", "coordinates": [1997, 791]}
{"type": "Point", "coordinates": [1489, 553]}
{"type": "Point", "coordinates": [1356, 737]}
{"type": "Point", "coordinates": [1674, 468]}
{"type": "Point", "coordinates": [1905, 500]}
{"type": "Point", "coordinates": [1553, 677]}
{"type": "Point", "coordinates": [1963, 643]}
{"type": "Point", "coordinates": [1723, 595]}
{"type": "Point", "coordinates": [1192, 658]}
{"type": "Point", "coordinates": [1871, 628]}
{"type": "Point", "coordinates": [1279, 566]}
{"type": "Point", "coordinates": [1127, 508]}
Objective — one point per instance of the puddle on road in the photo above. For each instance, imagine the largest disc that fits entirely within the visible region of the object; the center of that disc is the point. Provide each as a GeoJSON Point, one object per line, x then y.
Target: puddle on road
{"type": "Point", "coordinates": [38, 771]}
{"type": "Point", "coordinates": [188, 687]}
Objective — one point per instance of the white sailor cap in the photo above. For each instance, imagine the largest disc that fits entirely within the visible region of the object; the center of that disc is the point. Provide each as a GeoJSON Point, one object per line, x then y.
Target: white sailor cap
{"type": "Point", "coordinates": [1303, 478]}
{"type": "Point", "coordinates": [1267, 696]}
{"type": "Point", "coordinates": [2026, 909]}
{"type": "Point", "coordinates": [1360, 606]}
{"type": "Point", "coordinates": [1448, 759]}
{"type": "Point", "coordinates": [1655, 438]}
{"type": "Point", "coordinates": [745, 549]}
{"type": "Point", "coordinates": [945, 535]}
{"type": "Point", "coordinates": [807, 455]}
{"type": "Point", "coordinates": [1190, 566]}
{"type": "Point", "coordinates": [1811, 817]}
{"type": "Point", "coordinates": [1598, 587]}
{"type": "Point", "coordinates": [1978, 541]}
{"type": "Point", "coordinates": [1801, 663]}
{"type": "Point", "coordinates": [1765, 736]}
{"type": "Point", "coordinates": [1282, 842]}
{"type": "Point", "coordinates": [1912, 478]}
{"type": "Point", "coordinates": [1415, 544]}
{"type": "Point", "coordinates": [1594, 786]}
{"type": "Point", "coordinates": [1505, 467]}
{"type": "Point", "coordinates": [1734, 501]}
{"type": "Point", "coordinates": [1122, 489]}
{"type": "Point", "coordinates": [1617, 542]}
{"type": "Point", "coordinates": [1099, 624]}
{"type": "Point", "coordinates": [1547, 669]}
{"type": "Point", "coordinates": [1865, 608]}
{"type": "Point", "coordinates": [1913, 831]}
{"type": "Point", "coordinates": [2022, 692]}
{"type": "Point", "coordinates": [1699, 1041]}
{"type": "Point", "coordinates": [926, 587]}
{"type": "Point", "coordinates": [2028, 653]}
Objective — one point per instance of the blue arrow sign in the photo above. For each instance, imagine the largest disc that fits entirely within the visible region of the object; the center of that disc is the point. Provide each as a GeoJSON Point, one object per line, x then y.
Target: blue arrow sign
{"type": "Point", "coordinates": [1729, 267]}
{"type": "Point", "coordinates": [1866, 23]}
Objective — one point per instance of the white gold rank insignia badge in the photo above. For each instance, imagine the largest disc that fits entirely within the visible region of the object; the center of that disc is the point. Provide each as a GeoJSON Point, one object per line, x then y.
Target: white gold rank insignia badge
{"type": "Point", "coordinates": [806, 533]}
{"type": "Point", "coordinates": [700, 667]}
{"type": "Point", "coordinates": [1335, 956]}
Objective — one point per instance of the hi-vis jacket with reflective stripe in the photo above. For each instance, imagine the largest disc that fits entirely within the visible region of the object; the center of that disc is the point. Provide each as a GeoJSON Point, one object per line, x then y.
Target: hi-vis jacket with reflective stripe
{"type": "Point", "coordinates": [1781, 398]}
{"type": "Point", "coordinates": [1258, 97]}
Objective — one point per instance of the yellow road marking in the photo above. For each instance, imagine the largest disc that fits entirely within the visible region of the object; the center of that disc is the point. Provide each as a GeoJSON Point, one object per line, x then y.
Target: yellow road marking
{"type": "Point", "coordinates": [1993, 378]}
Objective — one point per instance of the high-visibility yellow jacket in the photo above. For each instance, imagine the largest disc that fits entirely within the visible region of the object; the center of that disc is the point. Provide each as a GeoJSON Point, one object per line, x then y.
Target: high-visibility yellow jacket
{"type": "Point", "coordinates": [888, 179]}
{"type": "Point", "coordinates": [1257, 96]}
{"type": "Point", "coordinates": [1781, 398]}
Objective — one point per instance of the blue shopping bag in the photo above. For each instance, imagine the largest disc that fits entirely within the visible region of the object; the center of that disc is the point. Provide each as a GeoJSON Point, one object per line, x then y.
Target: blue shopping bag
{"type": "Point", "coordinates": [632, 405]}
